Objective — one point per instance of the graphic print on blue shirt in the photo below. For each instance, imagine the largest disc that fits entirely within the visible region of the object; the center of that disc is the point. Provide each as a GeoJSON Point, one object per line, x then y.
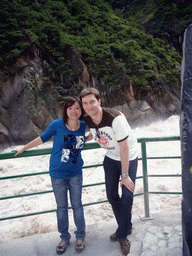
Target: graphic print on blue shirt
{"type": "Point", "coordinates": [71, 147]}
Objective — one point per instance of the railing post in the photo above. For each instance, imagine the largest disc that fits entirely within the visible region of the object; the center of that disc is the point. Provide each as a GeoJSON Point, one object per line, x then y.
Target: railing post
{"type": "Point", "coordinates": [145, 181]}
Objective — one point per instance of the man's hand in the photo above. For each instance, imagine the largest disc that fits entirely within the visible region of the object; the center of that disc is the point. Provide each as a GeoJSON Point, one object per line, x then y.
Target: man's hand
{"type": "Point", "coordinates": [128, 183]}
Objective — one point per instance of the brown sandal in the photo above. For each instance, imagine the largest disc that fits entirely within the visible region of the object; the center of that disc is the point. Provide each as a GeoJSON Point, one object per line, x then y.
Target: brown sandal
{"type": "Point", "coordinates": [61, 248]}
{"type": "Point", "coordinates": [80, 246]}
{"type": "Point", "coordinates": [125, 246]}
{"type": "Point", "coordinates": [114, 238]}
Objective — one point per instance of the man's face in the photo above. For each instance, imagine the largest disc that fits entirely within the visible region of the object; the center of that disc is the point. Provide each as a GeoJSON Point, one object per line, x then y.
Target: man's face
{"type": "Point", "coordinates": [91, 105]}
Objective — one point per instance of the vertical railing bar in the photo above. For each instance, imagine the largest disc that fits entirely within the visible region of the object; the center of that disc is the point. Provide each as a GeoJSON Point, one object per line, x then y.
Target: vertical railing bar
{"type": "Point", "coordinates": [145, 180]}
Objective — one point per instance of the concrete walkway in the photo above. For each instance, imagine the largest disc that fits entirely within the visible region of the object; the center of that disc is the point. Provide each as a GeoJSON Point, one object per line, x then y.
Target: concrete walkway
{"type": "Point", "coordinates": [161, 236]}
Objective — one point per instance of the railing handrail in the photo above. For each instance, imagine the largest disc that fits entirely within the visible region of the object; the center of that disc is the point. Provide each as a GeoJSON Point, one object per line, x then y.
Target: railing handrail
{"type": "Point", "coordinates": [92, 145]}
{"type": "Point", "coordinates": [87, 146]}
{"type": "Point", "coordinates": [154, 139]}
{"type": "Point", "coordinates": [42, 151]}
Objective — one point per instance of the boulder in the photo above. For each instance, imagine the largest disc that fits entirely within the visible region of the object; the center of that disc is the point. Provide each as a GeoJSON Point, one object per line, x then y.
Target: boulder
{"type": "Point", "coordinates": [137, 113]}
{"type": "Point", "coordinates": [4, 135]}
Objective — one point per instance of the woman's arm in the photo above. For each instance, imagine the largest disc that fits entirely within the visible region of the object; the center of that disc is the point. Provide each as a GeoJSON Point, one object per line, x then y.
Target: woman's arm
{"type": "Point", "coordinates": [34, 143]}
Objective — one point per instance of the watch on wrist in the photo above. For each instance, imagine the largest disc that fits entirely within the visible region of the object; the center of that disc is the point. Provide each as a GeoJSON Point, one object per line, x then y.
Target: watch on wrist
{"type": "Point", "coordinates": [125, 175]}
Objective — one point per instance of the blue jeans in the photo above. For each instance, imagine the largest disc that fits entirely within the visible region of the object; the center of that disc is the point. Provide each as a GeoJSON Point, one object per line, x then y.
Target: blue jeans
{"type": "Point", "coordinates": [122, 206]}
{"type": "Point", "coordinates": [60, 187]}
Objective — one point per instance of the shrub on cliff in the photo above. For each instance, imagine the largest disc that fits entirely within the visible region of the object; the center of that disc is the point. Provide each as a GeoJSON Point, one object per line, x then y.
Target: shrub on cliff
{"type": "Point", "coordinates": [97, 32]}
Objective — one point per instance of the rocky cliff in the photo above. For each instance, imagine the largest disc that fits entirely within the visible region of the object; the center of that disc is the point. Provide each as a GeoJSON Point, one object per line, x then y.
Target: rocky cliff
{"type": "Point", "coordinates": [53, 49]}
{"type": "Point", "coordinates": [27, 106]}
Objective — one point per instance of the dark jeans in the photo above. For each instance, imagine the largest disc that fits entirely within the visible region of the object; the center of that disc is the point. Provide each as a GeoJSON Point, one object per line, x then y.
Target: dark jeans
{"type": "Point", "coordinates": [122, 206]}
{"type": "Point", "coordinates": [60, 187]}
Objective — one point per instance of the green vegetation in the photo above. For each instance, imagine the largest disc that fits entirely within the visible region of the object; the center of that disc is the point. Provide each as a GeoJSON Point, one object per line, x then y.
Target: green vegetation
{"type": "Point", "coordinates": [98, 33]}
{"type": "Point", "coordinates": [167, 12]}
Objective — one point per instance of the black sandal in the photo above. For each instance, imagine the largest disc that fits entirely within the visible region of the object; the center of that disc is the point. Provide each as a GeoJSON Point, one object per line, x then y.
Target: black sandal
{"type": "Point", "coordinates": [79, 247]}
{"type": "Point", "coordinates": [62, 248]}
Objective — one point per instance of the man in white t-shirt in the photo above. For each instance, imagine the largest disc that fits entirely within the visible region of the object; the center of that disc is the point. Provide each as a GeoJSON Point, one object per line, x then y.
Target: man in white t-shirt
{"type": "Point", "coordinates": [111, 130]}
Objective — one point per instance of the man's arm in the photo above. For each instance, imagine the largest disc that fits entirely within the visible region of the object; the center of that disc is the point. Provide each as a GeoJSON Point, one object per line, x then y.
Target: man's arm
{"type": "Point", "coordinates": [124, 154]}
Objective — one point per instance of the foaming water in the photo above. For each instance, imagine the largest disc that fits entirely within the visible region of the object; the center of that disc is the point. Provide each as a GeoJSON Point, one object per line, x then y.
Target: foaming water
{"type": "Point", "coordinates": [46, 223]}
{"type": "Point", "coordinates": [168, 127]}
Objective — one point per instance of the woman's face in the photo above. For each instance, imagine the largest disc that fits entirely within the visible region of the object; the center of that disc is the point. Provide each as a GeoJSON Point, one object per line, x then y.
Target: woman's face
{"type": "Point", "coordinates": [74, 112]}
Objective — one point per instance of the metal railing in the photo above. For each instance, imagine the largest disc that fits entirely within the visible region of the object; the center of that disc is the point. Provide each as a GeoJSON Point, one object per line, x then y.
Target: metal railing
{"type": "Point", "coordinates": [88, 146]}
{"type": "Point", "coordinates": [145, 171]}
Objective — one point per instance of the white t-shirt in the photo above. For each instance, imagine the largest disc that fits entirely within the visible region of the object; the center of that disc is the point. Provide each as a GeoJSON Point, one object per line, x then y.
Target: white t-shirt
{"type": "Point", "coordinates": [113, 128]}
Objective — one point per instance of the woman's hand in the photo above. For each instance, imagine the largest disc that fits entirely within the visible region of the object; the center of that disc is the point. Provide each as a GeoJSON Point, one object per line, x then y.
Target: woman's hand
{"type": "Point", "coordinates": [34, 143]}
{"type": "Point", "coordinates": [89, 137]}
{"type": "Point", "coordinates": [18, 151]}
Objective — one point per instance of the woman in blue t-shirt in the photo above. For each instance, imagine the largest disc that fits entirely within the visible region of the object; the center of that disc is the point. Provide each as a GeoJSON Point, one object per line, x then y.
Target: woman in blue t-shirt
{"type": "Point", "coordinates": [66, 169]}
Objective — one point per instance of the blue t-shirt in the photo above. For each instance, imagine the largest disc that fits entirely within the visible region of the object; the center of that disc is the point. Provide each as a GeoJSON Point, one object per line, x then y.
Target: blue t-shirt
{"type": "Point", "coordinates": [66, 160]}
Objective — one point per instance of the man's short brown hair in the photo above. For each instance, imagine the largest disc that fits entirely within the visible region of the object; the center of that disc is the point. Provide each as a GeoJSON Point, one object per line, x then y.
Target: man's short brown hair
{"type": "Point", "coordinates": [88, 91]}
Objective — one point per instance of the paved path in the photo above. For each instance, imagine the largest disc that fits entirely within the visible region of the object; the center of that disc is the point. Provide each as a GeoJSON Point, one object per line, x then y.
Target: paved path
{"type": "Point", "coordinates": [161, 236]}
